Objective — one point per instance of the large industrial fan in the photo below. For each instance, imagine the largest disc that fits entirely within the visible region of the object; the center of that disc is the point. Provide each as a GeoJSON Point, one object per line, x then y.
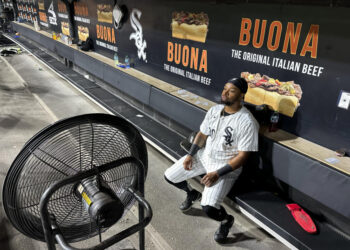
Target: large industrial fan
{"type": "Point", "coordinates": [76, 178]}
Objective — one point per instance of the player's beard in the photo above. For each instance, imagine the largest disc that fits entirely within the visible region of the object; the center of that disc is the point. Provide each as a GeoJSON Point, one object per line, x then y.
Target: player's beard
{"type": "Point", "coordinates": [226, 103]}
{"type": "Point", "coordinates": [231, 102]}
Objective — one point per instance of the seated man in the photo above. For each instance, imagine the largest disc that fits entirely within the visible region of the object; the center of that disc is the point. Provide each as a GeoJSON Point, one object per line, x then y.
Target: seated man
{"type": "Point", "coordinates": [229, 132]}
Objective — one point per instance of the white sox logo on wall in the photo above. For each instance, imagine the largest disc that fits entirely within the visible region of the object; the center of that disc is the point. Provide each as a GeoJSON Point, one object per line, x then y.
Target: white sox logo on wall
{"type": "Point", "coordinates": [52, 18]}
{"type": "Point", "coordinates": [138, 35]}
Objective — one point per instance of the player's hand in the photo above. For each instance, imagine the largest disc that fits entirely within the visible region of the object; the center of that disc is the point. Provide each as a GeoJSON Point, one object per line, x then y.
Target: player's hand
{"type": "Point", "coordinates": [188, 163]}
{"type": "Point", "coordinates": [210, 178]}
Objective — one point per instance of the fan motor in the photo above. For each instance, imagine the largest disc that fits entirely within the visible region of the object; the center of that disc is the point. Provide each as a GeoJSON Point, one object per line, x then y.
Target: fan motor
{"type": "Point", "coordinates": [104, 207]}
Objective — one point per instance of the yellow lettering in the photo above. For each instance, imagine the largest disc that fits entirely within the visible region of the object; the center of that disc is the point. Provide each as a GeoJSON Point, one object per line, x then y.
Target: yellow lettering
{"type": "Point", "coordinates": [113, 36]}
{"type": "Point", "coordinates": [278, 26]}
{"type": "Point", "coordinates": [203, 63]}
{"type": "Point", "coordinates": [244, 36]}
{"type": "Point", "coordinates": [177, 53]}
{"type": "Point", "coordinates": [109, 34]}
{"type": "Point", "coordinates": [105, 33]}
{"type": "Point", "coordinates": [292, 38]}
{"type": "Point", "coordinates": [98, 31]}
{"type": "Point", "coordinates": [312, 37]}
{"type": "Point", "coordinates": [259, 44]}
{"type": "Point", "coordinates": [170, 52]}
{"type": "Point", "coordinates": [185, 55]}
{"type": "Point", "coordinates": [194, 58]}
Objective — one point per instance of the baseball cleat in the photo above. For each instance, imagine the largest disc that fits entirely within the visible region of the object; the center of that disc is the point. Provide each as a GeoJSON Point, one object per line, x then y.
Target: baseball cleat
{"type": "Point", "coordinates": [220, 235]}
{"type": "Point", "coordinates": [192, 196]}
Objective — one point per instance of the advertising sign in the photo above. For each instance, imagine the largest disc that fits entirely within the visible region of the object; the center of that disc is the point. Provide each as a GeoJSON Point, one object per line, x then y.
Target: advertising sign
{"type": "Point", "coordinates": [62, 14]}
{"type": "Point", "coordinates": [105, 31]}
{"type": "Point", "coordinates": [27, 10]}
{"type": "Point", "coordinates": [296, 60]}
{"type": "Point", "coordinates": [43, 20]}
{"type": "Point", "coordinates": [82, 18]}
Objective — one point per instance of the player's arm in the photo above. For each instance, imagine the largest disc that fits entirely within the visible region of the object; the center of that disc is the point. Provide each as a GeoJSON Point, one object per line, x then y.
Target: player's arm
{"type": "Point", "coordinates": [237, 161]}
{"type": "Point", "coordinates": [200, 139]}
{"type": "Point", "coordinates": [198, 143]}
{"type": "Point", "coordinates": [234, 163]}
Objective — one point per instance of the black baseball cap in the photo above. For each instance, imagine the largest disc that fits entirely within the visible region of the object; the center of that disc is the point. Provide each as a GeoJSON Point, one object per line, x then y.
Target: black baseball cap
{"type": "Point", "coordinates": [240, 83]}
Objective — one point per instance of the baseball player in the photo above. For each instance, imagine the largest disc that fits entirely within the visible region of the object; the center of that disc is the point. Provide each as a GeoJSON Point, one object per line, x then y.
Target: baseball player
{"type": "Point", "coordinates": [227, 134]}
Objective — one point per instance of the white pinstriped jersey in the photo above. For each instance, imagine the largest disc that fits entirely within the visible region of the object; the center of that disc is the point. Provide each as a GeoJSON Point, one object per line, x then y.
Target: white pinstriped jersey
{"type": "Point", "coordinates": [226, 136]}
{"type": "Point", "coordinates": [229, 134]}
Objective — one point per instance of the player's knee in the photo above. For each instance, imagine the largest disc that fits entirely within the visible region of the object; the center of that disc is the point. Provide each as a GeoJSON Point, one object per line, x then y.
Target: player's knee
{"type": "Point", "coordinates": [167, 175]}
{"type": "Point", "coordinates": [214, 213]}
{"type": "Point", "coordinates": [183, 185]}
{"type": "Point", "coordinates": [167, 179]}
{"type": "Point", "coordinates": [210, 211]}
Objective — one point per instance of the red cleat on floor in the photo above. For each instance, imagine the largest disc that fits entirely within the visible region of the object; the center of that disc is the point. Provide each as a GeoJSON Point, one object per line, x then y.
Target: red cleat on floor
{"type": "Point", "coordinates": [303, 219]}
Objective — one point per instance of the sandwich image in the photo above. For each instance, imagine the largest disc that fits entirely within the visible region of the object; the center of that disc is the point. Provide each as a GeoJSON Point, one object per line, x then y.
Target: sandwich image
{"type": "Point", "coordinates": [65, 28]}
{"type": "Point", "coordinates": [41, 5]}
{"type": "Point", "coordinates": [83, 33]}
{"type": "Point", "coordinates": [190, 26]}
{"type": "Point", "coordinates": [283, 97]}
{"type": "Point", "coordinates": [104, 13]}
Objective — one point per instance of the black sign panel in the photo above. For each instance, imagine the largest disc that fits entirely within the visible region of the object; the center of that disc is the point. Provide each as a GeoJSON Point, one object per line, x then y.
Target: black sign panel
{"type": "Point", "coordinates": [48, 15]}
{"type": "Point", "coordinates": [294, 45]}
{"type": "Point", "coordinates": [295, 57]}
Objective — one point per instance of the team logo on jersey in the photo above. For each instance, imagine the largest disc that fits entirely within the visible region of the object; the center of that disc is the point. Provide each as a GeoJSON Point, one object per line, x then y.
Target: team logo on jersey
{"type": "Point", "coordinates": [211, 132]}
{"type": "Point", "coordinates": [228, 136]}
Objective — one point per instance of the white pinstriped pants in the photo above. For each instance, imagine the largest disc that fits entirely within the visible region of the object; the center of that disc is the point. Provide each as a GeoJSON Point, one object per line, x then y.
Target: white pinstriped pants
{"type": "Point", "coordinates": [211, 196]}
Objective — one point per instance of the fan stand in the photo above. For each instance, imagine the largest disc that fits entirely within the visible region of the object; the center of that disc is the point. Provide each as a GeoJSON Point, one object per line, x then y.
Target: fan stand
{"type": "Point", "coordinates": [51, 230]}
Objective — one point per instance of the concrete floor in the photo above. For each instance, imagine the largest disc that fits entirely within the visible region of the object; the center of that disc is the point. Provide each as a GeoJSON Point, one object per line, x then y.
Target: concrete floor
{"type": "Point", "coordinates": [32, 97]}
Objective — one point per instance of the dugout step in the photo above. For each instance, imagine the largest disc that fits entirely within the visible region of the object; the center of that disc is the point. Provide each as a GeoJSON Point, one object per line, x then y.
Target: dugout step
{"type": "Point", "coordinates": [271, 211]}
{"type": "Point", "coordinates": [162, 136]}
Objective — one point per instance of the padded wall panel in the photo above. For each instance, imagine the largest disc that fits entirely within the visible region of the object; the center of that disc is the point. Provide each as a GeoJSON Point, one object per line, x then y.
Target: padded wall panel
{"type": "Point", "coordinates": [319, 181]}
{"type": "Point", "coordinates": [111, 75]}
{"type": "Point", "coordinates": [48, 43]}
{"type": "Point", "coordinates": [127, 84]}
{"type": "Point", "coordinates": [178, 110]}
{"type": "Point", "coordinates": [32, 35]}
{"type": "Point", "coordinates": [26, 32]}
{"type": "Point", "coordinates": [89, 64]}
{"type": "Point", "coordinates": [65, 51]}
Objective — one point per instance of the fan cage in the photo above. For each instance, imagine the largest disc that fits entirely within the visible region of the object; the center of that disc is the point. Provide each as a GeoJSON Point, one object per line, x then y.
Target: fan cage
{"type": "Point", "coordinates": [64, 149]}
